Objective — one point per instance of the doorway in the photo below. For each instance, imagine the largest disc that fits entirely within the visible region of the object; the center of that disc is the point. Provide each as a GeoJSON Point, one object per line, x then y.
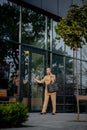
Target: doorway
{"type": "Point", "coordinates": [33, 65]}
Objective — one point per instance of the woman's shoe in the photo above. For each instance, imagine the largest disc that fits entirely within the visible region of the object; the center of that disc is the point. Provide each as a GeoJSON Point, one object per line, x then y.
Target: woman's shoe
{"type": "Point", "coordinates": [53, 113]}
{"type": "Point", "coordinates": [42, 113]}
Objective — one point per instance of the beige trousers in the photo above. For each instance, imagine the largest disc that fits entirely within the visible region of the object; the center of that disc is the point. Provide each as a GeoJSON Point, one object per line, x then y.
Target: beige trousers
{"type": "Point", "coordinates": [46, 99]}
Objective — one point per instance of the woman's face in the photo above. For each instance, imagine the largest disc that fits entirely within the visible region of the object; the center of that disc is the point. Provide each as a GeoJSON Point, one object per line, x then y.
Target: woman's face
{"type": "Point", "coordinates": [48, 71]}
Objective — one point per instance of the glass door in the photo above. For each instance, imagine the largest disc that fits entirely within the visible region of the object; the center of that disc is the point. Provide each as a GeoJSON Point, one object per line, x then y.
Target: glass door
{"type": "Point", "coordinates": [25, 76]}
{"type": "Point", "coordinates": [37, 71]}
{"type": "Point", "coordinates": [33, 65]}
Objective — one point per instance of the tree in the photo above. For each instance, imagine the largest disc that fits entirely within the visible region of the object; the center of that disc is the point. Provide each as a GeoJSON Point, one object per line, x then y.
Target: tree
{"type": "Point", "coordinates": [73, 30]}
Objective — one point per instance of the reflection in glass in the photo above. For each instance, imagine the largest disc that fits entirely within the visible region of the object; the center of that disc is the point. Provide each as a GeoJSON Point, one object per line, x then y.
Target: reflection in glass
{"type": "Point", "coordinates": [69, 52]}
{"type": "Point", "coordinates": [9, 68]}
{"type": "Point", "coordinates": [69, 76]}
{"type": "Point", "coordinates": [58, 70]}
{"type": "Point", "coordinates": [9, 14]}
{"type": "Point", "coordinates": [25, 72]}
{"type": "Point", "coordinates": [36, 89]}
{"type": "Point", "coordinates": [58, 46]}
{"type": "Point", "coordinates": [84, 78]}
{"type": "Point", "coordinates": [33, 28]}
{"type": "Point", "coordinates": [84, 52]}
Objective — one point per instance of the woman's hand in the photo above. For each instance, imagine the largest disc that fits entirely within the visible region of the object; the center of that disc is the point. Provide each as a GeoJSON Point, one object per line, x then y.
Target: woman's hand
{"type": "Point", "coordinates": [33, 78]}
{"type": "Point", "coordinates": [38, 81]}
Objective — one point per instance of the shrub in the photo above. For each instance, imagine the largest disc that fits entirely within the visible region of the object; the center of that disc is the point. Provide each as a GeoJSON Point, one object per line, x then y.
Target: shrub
{"type": "Point", "coordinates": [13, 114]}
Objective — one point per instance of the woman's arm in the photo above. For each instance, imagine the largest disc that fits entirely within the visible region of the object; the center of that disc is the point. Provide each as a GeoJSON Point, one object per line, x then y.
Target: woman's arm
{"type": "Point", "coordinates": [39, 81]}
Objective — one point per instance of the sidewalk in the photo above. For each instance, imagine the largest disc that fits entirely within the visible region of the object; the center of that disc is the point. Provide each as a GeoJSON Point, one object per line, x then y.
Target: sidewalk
{"type": "Point", "coordinates": [60, 121]}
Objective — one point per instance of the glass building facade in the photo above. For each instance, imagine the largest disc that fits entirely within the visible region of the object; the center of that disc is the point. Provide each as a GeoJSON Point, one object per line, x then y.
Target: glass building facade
{"type": "Point", "coordinates": [27, 46]}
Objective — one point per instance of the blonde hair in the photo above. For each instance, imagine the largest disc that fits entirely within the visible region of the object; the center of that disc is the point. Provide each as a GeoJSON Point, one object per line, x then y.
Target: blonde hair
{"type": "Point", "coordinates": [48, 68]}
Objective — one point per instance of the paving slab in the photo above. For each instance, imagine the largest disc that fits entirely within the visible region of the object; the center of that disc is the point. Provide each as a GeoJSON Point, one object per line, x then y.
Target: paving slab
{"type": "Point", "coordinates": [60, 121]}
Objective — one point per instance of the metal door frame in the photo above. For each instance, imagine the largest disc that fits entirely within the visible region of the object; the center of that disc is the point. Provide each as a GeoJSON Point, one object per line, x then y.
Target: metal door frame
{"type": "Point", "coordinates": [37, 51]}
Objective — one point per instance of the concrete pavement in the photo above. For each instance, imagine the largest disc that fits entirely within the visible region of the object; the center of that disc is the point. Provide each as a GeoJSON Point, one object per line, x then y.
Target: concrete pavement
{"type": "Point", "coordinates": [60, 121]}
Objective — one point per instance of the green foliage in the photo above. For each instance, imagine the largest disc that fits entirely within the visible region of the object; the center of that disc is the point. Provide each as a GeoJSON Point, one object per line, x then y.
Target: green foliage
{"type": "Point", "coordinates": [13, 114]}
{"type": "Point", "coordinates": [73, 29]}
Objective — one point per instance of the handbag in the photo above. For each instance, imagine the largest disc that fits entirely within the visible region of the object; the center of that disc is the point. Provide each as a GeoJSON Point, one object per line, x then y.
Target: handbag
{"type": "Point", "coordinates": [52, 87]}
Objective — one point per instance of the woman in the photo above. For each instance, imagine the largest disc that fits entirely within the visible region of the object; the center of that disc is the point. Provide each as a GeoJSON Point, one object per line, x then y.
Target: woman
{"type": "Point", "coordinates": [49, 78]}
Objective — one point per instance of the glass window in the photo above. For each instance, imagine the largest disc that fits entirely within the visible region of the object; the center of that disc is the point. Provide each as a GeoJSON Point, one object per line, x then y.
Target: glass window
{"type": "Point", "coordinates": [58, 46]}
{"type": "Point", "coordinates": [49, 33]}
{"type": "Point", "coordinates": [58, 69]}
{"type": "Point", "coordinates": [33, 28]}
{"type": "Point", "coordinates": [9, 21]}
{"type": "Point", "coordinates": [84, 52]}
{"type": "Point", "coordinates": [69, 52]}
{"type": "Point", "coordinates": [69, 76]}
{"type": "Point", "coordinates": [84, 78]}
{"type": "Point", "coordinates": [9, 68]}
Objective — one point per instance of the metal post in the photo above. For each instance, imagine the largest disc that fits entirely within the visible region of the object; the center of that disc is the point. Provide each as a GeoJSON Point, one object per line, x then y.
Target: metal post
{"type": "Point", "coordinates": [20, 22]}
{"type": "Point", "coordinates": [46, 33]}
{"type": "Point", "coordinates": [81, 71]}
{"type": "Point", "coordinates": [51, 41]}
{"type": "Point", "coordinates": [77, 86]}
{"type": "Point", "coordinates": [64, 79]}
